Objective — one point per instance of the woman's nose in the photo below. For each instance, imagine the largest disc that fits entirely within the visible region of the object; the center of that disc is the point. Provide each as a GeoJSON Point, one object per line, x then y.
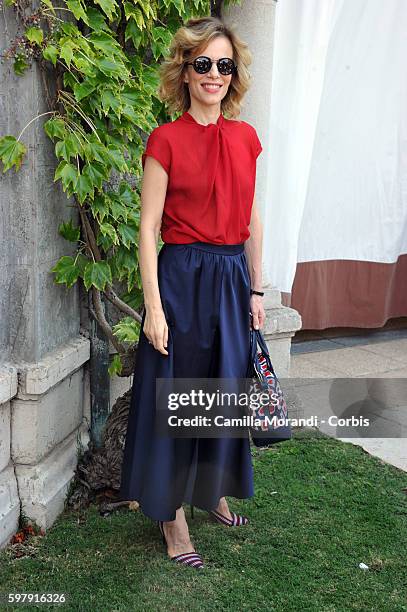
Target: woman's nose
{"type": "Point", "coordinates": [214, 70]}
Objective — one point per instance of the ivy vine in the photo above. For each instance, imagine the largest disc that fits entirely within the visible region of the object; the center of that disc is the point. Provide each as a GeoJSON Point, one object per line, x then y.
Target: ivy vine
{"type": "Point", "coordinates": [104, 57]}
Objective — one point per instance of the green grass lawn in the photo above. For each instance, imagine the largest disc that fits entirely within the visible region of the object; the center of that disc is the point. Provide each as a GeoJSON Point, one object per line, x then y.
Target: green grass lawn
{"type": "Point", "coordinates": [321, 508]}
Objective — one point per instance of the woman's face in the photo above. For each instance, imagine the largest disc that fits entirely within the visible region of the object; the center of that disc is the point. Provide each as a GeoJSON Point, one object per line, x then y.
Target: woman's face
{"type": "Point", "coordinates": [199, 84]}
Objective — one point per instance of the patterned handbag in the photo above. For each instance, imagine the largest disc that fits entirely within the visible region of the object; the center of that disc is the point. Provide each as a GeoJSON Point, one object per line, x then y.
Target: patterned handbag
{"type": "Point", "coordinates": [263, 378]}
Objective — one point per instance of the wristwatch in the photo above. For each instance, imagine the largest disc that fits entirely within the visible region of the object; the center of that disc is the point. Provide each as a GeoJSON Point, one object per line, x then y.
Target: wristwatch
{"type": "Point", "coordinates": [253, 292]}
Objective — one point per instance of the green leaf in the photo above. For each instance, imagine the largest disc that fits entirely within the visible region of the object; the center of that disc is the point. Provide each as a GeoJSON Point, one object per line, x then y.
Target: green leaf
{"type": "Point", "coordinates": [117, 210]}
{"type": "Point", "coordinates": [116, 159]}
{"type": "Point", "coordinates": [77, 9]}
{"type": "Point", "coordinates": [11, 152]}
{"type": "Point", "coordinates": [136, 64]}
{"type": "Point", "coordinates": [127, 330]}
{"type": "Point", "coordinates": [84, 45]}
{"type": "Point", "coordinates": [109, 7]}
{"type": "Point", "coordinates": [146, 6]}
{"type": "Point", "coordinates": [116, 365]}
{"type": "Point", "coordinates": [84, 188]}
{"type": "Point", "coordinates": [110, 100]}
{"type": "Point", "coordinates": [81, 263]}
{"type": "Point", "coordinates": [69, 80]}
{"type": "Point", "coordinates": [69, 232]}
{"type": "Point", "coordinates": [97, 173]}
{"type": "Point", "coordinates": [68, 175]}
{"type": "Point", "coordinates": [126, 258]}
{"type": "Point", "coordinates": [75, 143]}
{"type": "Point", "coordinates": [97, 274]}
{"type": "Point", "coordinates": [179, 5]}
{"type": "Point", "coordinates": [158, 49]}
{"type": "Point", "coordinates": [95, 151]}
{"type": "Point", "coordinates": [100, 207]}
{"type": "Point", "coordinates": [111, 68]}
{"type": "Point", "coordinates": [35, 35]}
{"type": "Point", "coordinates": [134, 97]}
{"type": "Point", "coordinates": [150, 79]}
{"type": "Point", "coordinates": [133, 32]}
{"type": "Point", "coordinates": [105, 43]}
{"type": "Point", "coordinates": [70, 29]}
{"type": "Point", "coordinates": [160, 33]}
{"type": "Point", "coordinates": [126, 194]}
{"type": "Point", "coordinates": [128, 234]}
{"type": "Point", "coordinates": [84, 65]}
{"type": "Point", "coordinates": [67, 148]}
{"type": "Point", "coordinates": [130, 114]}
{"type": "Point", "coordinates": [96, 20]}
{"type": "Point", "coordinates": [104, 242]}
{"type": "Point", "coordinates": [20, 64]}
{"type": "Point", "coordinates": [134, 295]}
{"type": "Point", "coordinates": [108, 230]}
{"type": "Point", "coordinates": [50, 53]}
{"type": "Point", "coordinates": [84, 89]}
{"type": "Point", "coordinates": [66, 272]}
{"type": "Point", "coordinates": [55, 128]}
{"type": "Point", "coordinates": [133, 214]}
{"type": "Point", "coordinates": [67, 50]}
{"type": "Point", "coordinates": [132, 280]}
{"type": "Point", "coordinates": [135, 13]}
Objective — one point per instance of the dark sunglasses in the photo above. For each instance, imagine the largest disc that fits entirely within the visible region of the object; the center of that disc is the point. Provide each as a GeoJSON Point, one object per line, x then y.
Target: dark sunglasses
{"type": "Point", "coordinates": [203, 64]}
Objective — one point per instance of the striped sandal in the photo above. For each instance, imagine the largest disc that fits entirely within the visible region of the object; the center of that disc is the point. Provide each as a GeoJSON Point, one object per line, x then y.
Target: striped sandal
{"type": "Point", "coordinates": [236, 521]}
{"type": "Point", "coordinates": [193, 559]}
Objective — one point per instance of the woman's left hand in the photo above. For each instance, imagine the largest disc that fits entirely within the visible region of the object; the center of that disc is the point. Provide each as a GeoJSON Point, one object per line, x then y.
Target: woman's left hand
{"type": "Point", "coordinates": [257, 311]}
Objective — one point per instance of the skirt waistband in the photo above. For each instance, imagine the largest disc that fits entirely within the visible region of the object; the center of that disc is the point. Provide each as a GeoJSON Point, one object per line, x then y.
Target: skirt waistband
{"type": "Point", "coordinates": [223, 249]}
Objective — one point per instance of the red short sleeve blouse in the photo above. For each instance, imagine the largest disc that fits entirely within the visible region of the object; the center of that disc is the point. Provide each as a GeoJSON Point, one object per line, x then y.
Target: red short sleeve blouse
{"type": "Point", "coordinates": [211, 178]}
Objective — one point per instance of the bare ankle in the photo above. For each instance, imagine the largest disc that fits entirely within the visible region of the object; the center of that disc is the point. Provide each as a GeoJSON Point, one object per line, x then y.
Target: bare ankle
{"type": "Point", "coordinates": [177, 534]}
{"type": "Point", "coordinates": [223, 507]}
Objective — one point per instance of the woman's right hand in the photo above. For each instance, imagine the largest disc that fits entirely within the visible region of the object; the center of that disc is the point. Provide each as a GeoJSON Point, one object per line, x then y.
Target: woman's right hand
{"type": "Point", "coordinates": [156, 329]}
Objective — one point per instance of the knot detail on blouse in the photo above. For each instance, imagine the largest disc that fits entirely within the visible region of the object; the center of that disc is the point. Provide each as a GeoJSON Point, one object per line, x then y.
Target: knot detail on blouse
{"type": "Point", "coordinates": [190, 119]}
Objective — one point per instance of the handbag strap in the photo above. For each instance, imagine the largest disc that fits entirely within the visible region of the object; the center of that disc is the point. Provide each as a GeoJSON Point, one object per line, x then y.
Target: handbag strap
{"type": "Point", "coordinates": [252, 352]}
{"type": "Point", "coordinates": [263, 347]}
{"type": "Point", "coordinates": [256, 338]}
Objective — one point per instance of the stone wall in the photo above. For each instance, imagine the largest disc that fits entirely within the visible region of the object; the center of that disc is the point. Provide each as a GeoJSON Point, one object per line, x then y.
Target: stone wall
{"type": "Point", "coordinates": [44, 389]}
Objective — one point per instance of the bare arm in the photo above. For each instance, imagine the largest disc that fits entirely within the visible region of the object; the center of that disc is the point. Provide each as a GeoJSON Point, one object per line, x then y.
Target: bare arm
{"type": "Point", "coordinates": [153, 192]}
{"type": "Point", "coordinates": [253, 250]}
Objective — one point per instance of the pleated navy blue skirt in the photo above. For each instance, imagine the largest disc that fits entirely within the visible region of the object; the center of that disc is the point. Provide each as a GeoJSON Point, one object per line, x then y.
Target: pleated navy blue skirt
{"type": "Point", "coordinates": [205, 293]}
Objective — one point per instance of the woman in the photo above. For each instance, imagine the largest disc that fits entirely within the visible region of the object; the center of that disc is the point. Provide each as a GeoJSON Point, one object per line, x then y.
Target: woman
{"type": "Point", "coordinates": [198, 188]}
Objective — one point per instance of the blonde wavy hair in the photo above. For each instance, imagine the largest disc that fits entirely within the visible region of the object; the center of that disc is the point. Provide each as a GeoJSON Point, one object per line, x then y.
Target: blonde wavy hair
{"type": "Point", "coordinates": [192, 38]}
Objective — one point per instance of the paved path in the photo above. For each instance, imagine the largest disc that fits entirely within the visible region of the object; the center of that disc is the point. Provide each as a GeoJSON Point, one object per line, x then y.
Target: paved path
{"type": "Point", "coordinates": [360, 376]}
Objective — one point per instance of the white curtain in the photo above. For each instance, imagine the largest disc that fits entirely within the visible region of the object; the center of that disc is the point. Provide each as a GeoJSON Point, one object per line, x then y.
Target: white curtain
{"type": "Point", "coordinates": [337, 167]}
